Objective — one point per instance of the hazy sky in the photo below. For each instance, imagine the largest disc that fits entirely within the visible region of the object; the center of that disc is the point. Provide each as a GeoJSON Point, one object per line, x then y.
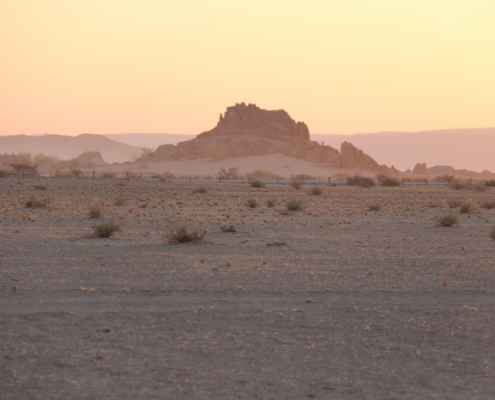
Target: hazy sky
{"type": "Point", "coordinates": [105, 66]}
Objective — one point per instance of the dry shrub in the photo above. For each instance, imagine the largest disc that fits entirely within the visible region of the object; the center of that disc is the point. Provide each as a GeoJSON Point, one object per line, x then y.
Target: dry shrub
{"type": "Point", "coordinates": [36, 202]}
{"type": "Point", "coordinates": [479, 188]}
{"type": "Point", "coordinates": [120, 201]}
{"type": "Point", "coordinates": [361, 181]}
{"type": "Point", "coordinates": [180, 234]}
{"type": "Point", "coordinates": [261, 174]}
{"type": "Point", "coordinates": [294, 205]}
{"type": "Point", "coordinates": [490, 183]}
{"type": "Point", "coordinates": [316, 191]}
{"type": "Point", "coordinates": [489, 205]}
{"type": "Point", "coordinates": [40, 187]}
{"type": "Point", "coordinates": [466, 207]}
{"type": "Point", "coordinates": [166, 176]}
{"type": "Point", "coordinates": [388, 181]}
{"type": "Point", "coordinates": [201, 189]}
{"type": "Point", "coordinates": [271, 202]}
{"type": "Point", "coordinates": [106, 228]}
{"type": "Point", "coordinates": [94, 212]}
{"type": "Point", "coordinates": [374, 207]}
{"type": "Point", "coordinates": [252, 203]}
{"type": "Point", "coordinates": [447, 220]}
{"type": "Point", "coordinates": [458, 185]}
{"type": "Point", "coordinates": [296, 183]}
{"type": "Point", "coordinates": [228, 228]}
{"type": "Point", "coordinates": [454, 203]}
{"type": "Point", "coordinates": [3, 173]}
{"type": "Point", "coordinates": [257, 184]}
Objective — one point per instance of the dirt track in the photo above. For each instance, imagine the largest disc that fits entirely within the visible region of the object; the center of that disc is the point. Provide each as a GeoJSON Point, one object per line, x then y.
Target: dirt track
{"type": "Point", "coordinates": [401, 308]}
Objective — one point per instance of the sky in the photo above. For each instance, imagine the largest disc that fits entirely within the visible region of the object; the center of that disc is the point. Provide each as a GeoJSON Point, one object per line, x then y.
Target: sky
{"type": "Point", "coordinates": [116, 66]}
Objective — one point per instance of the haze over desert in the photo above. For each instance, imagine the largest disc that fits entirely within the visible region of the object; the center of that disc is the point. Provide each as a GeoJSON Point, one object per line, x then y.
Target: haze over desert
{"type": "Point", "coordinates": [247, 200]}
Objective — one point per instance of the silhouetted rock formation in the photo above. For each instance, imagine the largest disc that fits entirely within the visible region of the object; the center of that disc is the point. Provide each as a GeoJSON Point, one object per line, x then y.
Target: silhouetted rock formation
{"type": "Point", "coordinates": [247, 130]}
{"type": "Point", "coordinates": [420, 169]}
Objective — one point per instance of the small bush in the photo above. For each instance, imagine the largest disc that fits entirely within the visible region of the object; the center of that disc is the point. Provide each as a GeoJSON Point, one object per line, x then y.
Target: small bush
{"type": "Point", "coordinates": [479, 188]}
{"type": "Point", "coordinates": [389, 181]}
{"type": "Point", "coordinates": [228, 228]}
{"type": "Point", "coordinates": [106, 229]}
{"type": "Point", "coordinates": [36, 202]}
{"type": "Point", "coordinates": [120, 201]}
{"type": "Point", "coordinates": [40, 187]}
{"type": "Point", "coordinates": [294, 205]}
{"type": "Point", "coordinates": [316, 191]}
{"type": "Point", "coordinates": [458, 185]}
{"type": "Point", "coordinates": [3, 174]}
{"type": "Point", "coordinates": [257, 184]}
{"type": "Point", "coordinates": [201, 189]}
{"type": "Point", "coordinates": [231, 173]}
{"type": "Point", "coordinates": [296, 183]}
{"type": "Point", "coordinates": [454, 203]}
{"type": "Point", "coordinates": [271, 202]}
{"type": "Point", "coordinates": [374, 207]}
{"type": "Point", "coordinates": [447, 220]}
{"type": "Point", "coordinates": [361, 181]}
{"type": "Point", "coordinates": [180, 234]}
{"type": "Point", "coordinates": [94, 212]}
{"type": "Point", "coordinates": [489, 205]}
{"type": "Point", "coordinates": [252, 203]}
{"type": "Point", "coordinates": [466, 207]}
{"type": "Point", "coordinates": [166, 176]}
{"type": "Point", "coordinates": [490, 183]}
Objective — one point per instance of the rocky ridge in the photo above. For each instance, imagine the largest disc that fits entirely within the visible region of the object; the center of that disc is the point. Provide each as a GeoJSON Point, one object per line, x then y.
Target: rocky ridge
{"type": "Point", "coordinates": [247, 130]}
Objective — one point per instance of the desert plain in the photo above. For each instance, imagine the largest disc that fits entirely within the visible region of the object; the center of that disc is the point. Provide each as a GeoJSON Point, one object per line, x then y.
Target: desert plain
{"type": "Point", "coordinates": [360, 294]}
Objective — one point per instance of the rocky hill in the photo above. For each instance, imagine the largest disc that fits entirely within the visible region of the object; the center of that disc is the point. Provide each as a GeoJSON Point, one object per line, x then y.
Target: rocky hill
{"type": "Point", "coordinates": [247, 130]}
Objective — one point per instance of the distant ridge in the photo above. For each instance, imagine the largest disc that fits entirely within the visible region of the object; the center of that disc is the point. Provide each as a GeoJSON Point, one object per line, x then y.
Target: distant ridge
{"type": "Point", "coordinates": [69, 147]}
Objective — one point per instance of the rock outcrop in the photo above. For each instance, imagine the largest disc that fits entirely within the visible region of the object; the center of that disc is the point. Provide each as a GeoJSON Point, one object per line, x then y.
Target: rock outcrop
{"type": "Point", "coordinates": [246, 131]}
{"type": "Point", "coordinates": [420, 169]}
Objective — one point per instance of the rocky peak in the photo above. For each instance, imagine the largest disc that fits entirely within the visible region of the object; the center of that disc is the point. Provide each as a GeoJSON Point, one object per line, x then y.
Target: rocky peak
{"type": "Point", "coordinates": [249, 119]}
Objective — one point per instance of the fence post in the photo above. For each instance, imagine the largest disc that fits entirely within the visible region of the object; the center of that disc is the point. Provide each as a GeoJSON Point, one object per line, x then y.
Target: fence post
{"type": "Point", "coordinates": [94, 174]}
{"type": "Point", "coordinates": [328, 181]}
{"type": "Point", "coordinates": [426, 181]}
{"type": "Point", "coordinates": [402, 181]}
{"type": "Point", "coordinates": [57, 172]}
{"type": "Point", "coordinates": [220, 178]}
{"type": "Point", "coordinates": [127, 173]}
{"type": "Point", "coordinates": [189, 178]}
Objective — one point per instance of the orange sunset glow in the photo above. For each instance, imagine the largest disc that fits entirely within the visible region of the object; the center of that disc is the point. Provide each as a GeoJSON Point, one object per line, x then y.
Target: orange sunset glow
{"type": "Point", "coordinates": [69, 67]}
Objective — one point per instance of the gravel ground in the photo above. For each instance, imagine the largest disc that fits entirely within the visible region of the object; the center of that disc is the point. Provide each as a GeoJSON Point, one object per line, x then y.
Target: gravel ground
{"type": "Point", "coordinates": [334, 301]}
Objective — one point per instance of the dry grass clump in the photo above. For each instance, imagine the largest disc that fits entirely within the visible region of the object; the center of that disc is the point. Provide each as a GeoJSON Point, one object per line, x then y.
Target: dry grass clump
{"type": "Point", "coordinates": [228, 228]}
{"type": "Point", "coordinates": [166, 176]}
{"type": "Point", "coordinates": [120, 201]}
{"type": "Point", "coordinates": [296, 183]}
{"type": "Point", "coordinates": [257, 184]}
{"type": "Point", "coordinates": [316, 191]}
{"type": "Point", "coordinates": [466, 207]}
{"type": "Point", "coordinates": [489, 205]}
{"type": "Point", "coordinates": [388, 181]}
{"type": "Point", "coordinates": [454, 203]}
{"type": "Point", "coordinates": [490, 183]}
{"type": "Point", "coordinates": [374, 207]}
{"type": "Point", "coordinates": [252, 203]}
{"type": "Point", "coordinates": [201, 189]}
{"type": "Point", "coordinates": [458, 185]}
{"type": "Point", "coordinates": [40, 187]}
{"type": "Point", "coordinates": [479, 188]}
{"type": "Point", "coordinates": [447, 220]}
{"type": "Point", "coordinates": [106, 228]}
{"type": "Point", "coordinates": [361, 181]}
{"type": "Point", "coordinates": [492, 233]}
{"type": "Point", "coordinates": [94, 212]}
{"type": "Point", "coordinates": [36, 202]}
{"type": "Point", "coordinates": [271, 202]}
{"type": "Point", "coordinates": [180, 234]}
{"type": "Point", "coordinates": [294, 205]}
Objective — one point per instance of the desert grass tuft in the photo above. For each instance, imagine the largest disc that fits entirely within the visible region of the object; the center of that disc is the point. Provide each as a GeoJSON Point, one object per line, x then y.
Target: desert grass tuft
{"type": "Point", "coordinates": [180, 234]}
{"type": "Point", "coordinates": [296, 183]}
{"type": "Point", "coordinates": [252, 203]}
{"type": "Point", "coordinates": [447, 220]}
{"type": "Point", "coordinates": [201, 189]}
{"type": "Point", "coordinates": [271, 202]}
{"type": "Point", "coordinates": [466, 207]}
{"type": "Point", "coordinates": [374, 207]}
{"type": "Point", "coordinates": [40, 187]}
{"type": "Point", "coordinates": [107, 228]}
{"type": "Point", "coordinates": [228, 228]}
{"type": "Point", "coordinates": [257, 184]}
{"type": "Point", "coordinates": [36, 202]}
{"type": "Point", "coordinates": [316, 191]}
{"type": "Point", "coordinates": [489, 205]}
{"type": "Point", "coordinates": [94, 212]}
{"type": "Point", "coordinates": [120, 201]}
{"type": "Point", "coordinates": [360, 181]}
{"type": "Point", "coordinates": [294, 205]}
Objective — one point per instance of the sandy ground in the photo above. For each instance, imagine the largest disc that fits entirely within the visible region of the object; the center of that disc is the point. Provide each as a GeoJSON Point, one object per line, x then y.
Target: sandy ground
{"type": "Point", "coordinates": [400, 308]}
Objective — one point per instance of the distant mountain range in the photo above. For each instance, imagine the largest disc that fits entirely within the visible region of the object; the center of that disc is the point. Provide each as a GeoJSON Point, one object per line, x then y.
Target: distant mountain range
{"type": "Point", "coordinates": [69, 147]}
